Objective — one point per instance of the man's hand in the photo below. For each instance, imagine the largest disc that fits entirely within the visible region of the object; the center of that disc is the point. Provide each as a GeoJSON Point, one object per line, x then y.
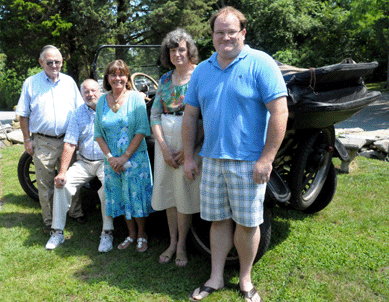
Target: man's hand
{"type": "Point", "coordinates": [191, 169]}
{"type": "Point", "coordinates": [262, 171]}
{"type": "Point", "coordinates": [28, 147]}
{"type": "Point", "coordinates": [60, 180]}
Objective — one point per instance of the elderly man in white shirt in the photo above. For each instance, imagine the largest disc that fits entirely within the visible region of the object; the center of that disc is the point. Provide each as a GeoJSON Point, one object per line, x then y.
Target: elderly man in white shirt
{"type": "Point", "coordinates": [46, 104]}
{"type": "Point", "coordinates": [90, 164]}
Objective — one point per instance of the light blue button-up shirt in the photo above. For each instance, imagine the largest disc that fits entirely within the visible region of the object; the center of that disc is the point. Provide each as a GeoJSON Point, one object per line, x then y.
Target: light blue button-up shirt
{"type": "Point", "coordinates": [80, 131]}
{"type": "Point", "coordinates": [49, 105]}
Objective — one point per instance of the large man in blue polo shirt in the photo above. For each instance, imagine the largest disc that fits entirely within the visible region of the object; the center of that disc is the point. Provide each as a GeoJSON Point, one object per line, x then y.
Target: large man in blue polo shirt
{"type": "Point", "coordinates": [90, 164]}
{"type": "Point", "coordinates": [46, 103]}
{"type": "Point", "coordinates": [241, 95]}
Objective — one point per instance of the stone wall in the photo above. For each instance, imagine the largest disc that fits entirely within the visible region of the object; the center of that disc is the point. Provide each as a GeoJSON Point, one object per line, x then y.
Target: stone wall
{"type": "Point", "coordinates": [10, 133]}
{"type": "Point", "coordinates": [371, 144]}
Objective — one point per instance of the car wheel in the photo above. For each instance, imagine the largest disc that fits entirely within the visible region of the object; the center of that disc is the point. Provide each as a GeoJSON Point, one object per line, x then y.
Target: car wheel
{"type": "Point", "coordinates": [310, 167]}
{"type": "Point", "coordinates": [326, 194]}
{"type": "Point", "coordinates": [26, 176]}
{"type": "Point", "coordinates": [200, 238]}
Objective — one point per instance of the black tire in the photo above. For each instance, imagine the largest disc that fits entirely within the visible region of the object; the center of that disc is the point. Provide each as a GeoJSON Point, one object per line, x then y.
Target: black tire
{"type": "Point", "coordinates": [26, 176]}
{"type": "Point", "coordinates": [326, 194]}
{"type": "Point", "coordinates": [200, 237]}
{"type": "Point", "coordinates": [310, 167]}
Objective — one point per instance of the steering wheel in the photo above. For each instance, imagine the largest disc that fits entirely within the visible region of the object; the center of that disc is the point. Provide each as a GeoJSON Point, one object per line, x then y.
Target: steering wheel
{"type": "Point", "coordinates": [144, 83]}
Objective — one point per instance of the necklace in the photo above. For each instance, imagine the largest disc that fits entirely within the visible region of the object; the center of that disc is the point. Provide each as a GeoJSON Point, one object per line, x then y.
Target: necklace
{"type": "Point", "coordinates": [116, 106]}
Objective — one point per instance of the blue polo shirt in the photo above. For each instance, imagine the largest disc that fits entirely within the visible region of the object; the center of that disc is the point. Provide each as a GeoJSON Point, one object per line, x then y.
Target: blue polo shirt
{"type": "Point", "coordinates": [233, 103]}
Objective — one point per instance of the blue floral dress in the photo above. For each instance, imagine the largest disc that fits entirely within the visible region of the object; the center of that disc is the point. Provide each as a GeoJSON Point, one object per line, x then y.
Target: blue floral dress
{"type": "Point", "coordinates": [130, 192]}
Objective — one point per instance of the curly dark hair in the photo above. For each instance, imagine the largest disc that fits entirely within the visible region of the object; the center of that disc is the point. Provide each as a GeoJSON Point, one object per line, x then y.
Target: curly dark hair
{"type": "Point", "coordinates": [112, 68]}
{"type": "Point", "coordinates": [172, 40]}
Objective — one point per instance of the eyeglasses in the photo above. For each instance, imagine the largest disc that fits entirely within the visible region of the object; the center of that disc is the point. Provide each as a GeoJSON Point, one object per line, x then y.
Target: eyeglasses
{"type": "Point", "coordinates": [230, 34]}
{"type": "Point", "coordinates": [50, 63]}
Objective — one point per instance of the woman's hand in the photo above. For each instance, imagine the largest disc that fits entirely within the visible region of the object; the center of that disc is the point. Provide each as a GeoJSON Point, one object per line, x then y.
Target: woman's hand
{"type": "Point", "coordinates": [117, 163]}
{"type": "Point", "coordinates": [179, 157]}
{"type": "Point", "coordinates": [169, 157]}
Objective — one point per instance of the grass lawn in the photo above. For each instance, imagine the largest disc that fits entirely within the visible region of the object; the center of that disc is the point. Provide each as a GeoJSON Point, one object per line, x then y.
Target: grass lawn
{"type": "Point", "coordinates": [338, 254]}
{"type": "Point", "coordinates": [379, 86]}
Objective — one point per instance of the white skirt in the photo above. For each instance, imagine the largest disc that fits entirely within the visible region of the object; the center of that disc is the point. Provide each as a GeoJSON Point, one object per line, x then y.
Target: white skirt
{"type": "Point", "coordinates": [171, 187]}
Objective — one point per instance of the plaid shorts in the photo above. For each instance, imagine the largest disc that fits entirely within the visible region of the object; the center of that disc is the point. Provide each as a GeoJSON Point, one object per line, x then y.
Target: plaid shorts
{"type": "Point", "coordinates": [228, 191]}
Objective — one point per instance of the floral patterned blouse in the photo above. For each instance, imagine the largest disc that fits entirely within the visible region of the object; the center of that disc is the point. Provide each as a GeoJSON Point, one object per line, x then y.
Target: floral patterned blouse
{"type": "Point", "coordinates": [169, 98]}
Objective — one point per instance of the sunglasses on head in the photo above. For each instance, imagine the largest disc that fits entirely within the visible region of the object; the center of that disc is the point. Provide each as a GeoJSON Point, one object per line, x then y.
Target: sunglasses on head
{"type": "Point", "coordinates": [50, 63]}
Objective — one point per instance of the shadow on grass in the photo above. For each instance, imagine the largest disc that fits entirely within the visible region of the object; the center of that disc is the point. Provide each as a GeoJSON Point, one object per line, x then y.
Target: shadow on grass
{"type": "Point", "coordinates": [128, 270]}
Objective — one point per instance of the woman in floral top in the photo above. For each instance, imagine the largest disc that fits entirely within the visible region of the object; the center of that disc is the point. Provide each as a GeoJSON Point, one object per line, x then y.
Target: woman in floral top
{"type": "Point", "coordinates": [172, 191]}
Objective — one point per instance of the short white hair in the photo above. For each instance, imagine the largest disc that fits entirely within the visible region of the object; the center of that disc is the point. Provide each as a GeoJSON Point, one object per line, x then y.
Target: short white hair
{"type": "Point", "coordinates": [45, 49]}
{"type": "Point", "coordinates": [83, 84]}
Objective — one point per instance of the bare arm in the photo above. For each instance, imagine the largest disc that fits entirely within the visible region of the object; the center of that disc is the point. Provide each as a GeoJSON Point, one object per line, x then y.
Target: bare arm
{"type": "Point", "coordinates": [189, 135]}
{"type": "Point", "coordinates": [275, 134]}
{"type": "Point", "coordinates": [25, 127]}
{"type": "Point", "coordinates": [67, 154]}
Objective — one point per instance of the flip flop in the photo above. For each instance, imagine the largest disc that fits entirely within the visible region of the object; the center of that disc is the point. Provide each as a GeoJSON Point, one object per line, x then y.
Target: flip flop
{"type": "Point", "coordinates": [203, 289]}
{"type": "Point", "coordinates": [181, 257]}
{"type": "Point", "coordinates": [142, 245]}
{"type": "Point", "coordinates": [166, 256]}
{"type": "Point", "coordinates": [126, 243]}
{"type": "Point", "coordinates": [250, 294]}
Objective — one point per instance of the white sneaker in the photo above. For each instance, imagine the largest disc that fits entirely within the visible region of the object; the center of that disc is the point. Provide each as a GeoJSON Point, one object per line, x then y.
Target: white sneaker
{"type": "Point", "coordinates": [56, 239]}
{"type": "Point", "coordinates": [105, 242]}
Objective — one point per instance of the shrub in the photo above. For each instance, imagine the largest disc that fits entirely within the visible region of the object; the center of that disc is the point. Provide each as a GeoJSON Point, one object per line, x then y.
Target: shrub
{"type": "Point", "coordinates": [10, 87]}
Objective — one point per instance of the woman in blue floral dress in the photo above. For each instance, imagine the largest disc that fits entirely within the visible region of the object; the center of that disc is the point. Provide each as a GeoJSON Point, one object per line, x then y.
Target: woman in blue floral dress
{"type": "Point", "coordinates": [121, 125]}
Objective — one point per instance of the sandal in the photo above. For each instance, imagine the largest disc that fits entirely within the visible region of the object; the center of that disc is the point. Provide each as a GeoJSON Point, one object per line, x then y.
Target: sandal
{"type": "Point", "coordinates": [126, 243]}
{"type": "Point", "coordinates": [203, 289]}
{"type": "Point", "coordinates": [250, 294]}
{"type": "Point", "coordinates": [142, 245]}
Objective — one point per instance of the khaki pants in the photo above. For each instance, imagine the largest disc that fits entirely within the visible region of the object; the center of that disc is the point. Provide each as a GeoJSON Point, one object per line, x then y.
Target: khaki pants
{"type": "Point", "coordinates": [78, 174]}
{"type": "Point", "coordinates": [47, 157]}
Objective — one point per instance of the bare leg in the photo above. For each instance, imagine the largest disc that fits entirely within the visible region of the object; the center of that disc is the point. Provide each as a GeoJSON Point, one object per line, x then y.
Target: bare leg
{"type": "Point", "coordinates": [141, 224]}
{"type": "Point", "coordinates": [142, 245]}
{"type": "Point", "coordinates": [131, 228]}
{"type": "Point", "coordinates": [184, 223]}
{"type": "Point", "coordinates": [167, 255]}
{"type": "Point", "coordinates": [131, 234]}
{"type": "Point", "coordinates": [221, 244]}
{"type": "Point", "coordinates": [246, 242]}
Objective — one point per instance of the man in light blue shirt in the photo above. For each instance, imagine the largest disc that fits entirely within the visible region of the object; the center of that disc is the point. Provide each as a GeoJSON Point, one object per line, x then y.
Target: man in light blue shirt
{"type": "Point", "coordinates": [242, 98]}
{"type": "Point", "coordinates": [90, 164]}
{"type": "Point", "coordinates": [46, 103]}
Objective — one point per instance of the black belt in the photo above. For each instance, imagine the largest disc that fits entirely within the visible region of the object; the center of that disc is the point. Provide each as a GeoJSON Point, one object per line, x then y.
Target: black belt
{"type": "Point", "coordinates": [178, 113]}
{"type": "Point", "coordinates": [49, 136]}
{"type": "Point", "coordinates": [87, 159]}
